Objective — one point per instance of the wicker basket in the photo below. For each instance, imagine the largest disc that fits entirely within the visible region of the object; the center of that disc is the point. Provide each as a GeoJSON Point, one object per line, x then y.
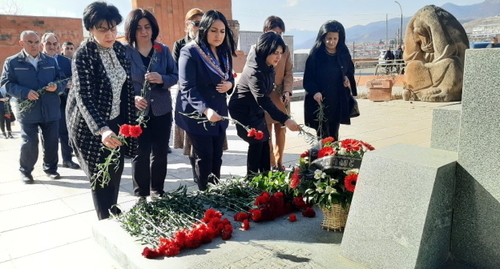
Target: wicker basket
{"type": "Point", "coordinates": [335, 218]}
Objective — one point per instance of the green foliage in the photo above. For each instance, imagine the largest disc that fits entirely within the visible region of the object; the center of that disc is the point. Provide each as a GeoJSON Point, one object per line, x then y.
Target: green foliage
{"type": "Point", "coordinates": [272, 182]}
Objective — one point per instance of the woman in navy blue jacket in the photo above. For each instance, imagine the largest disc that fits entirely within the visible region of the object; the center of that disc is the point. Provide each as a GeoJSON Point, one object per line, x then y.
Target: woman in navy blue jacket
{"type": "Point", "coordinates": [206, 79]}
{"type": "Point", "coordinates": [251, 99]}
{"type": "Point", "coordinates": [149, 166]}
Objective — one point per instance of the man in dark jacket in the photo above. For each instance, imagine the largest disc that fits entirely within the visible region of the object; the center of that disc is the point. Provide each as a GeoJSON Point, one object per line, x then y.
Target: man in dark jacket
{"type": "Point", "coordinates": [24, 75]}
{"type": "Point", "coordinates": [50, 44]}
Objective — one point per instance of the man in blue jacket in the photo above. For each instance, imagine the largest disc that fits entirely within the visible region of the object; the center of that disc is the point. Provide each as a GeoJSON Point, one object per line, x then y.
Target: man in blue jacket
{"type": "Point", "coordinates": [24, 74]}
{"type": "Point", "coordinates": [50, 44]}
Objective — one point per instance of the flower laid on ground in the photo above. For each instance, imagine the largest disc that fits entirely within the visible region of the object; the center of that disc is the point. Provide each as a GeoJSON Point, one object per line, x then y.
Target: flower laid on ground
{"type": "Point", "coordinates": [210, 227]}
{"type": "Point", "coordinates": [292, 218]}
{"type": "Point", "coordinates": [26, 105]}
{"type": "Point", "coordinates": [202, 119]}
{"type": "Point", "coordinates": [142, 118]}
{"type": "Point", "coordinates": [103, 177]}
{"type": "Point", "coordinates": [327, 175]}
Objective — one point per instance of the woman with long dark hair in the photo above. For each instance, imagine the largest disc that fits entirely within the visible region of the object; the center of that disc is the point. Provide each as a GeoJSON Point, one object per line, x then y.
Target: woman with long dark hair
{"type": "Point", "coordinates": [251, 100]}
{"type": "Point", "coordinates": [101, 99]}
{"type": "Point", "coordinates": [329, 80]}
{"type": "Point", "coordinates": [206, 79]}
{"type": "Point", "coordinates": [149, 166]}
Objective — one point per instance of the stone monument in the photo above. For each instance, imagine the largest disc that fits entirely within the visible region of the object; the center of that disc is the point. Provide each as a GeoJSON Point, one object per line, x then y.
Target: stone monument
{"type": "Point", "coordinates": [421, 207]}
{"type": "Point", "coordinates": [435, 44]}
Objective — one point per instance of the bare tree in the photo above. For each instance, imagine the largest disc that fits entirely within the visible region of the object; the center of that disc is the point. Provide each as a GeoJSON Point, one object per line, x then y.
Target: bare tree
{"type": "Point", "coordinates": [10, 7]}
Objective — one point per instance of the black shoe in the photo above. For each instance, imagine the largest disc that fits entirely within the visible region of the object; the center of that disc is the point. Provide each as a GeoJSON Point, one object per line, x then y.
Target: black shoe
{"type": "Point", "coordinates": [71, 164]}
{"type": "Point", "coordinates": [169, 150]}
{"type": "Point", "coordinates": [5, 136]}
{"type": "Point", "coordinates": [10, 136]}
{"type": "Point", "coordinates": [27, 179]}
{"type": "Point", "coordinates": [53, 175]}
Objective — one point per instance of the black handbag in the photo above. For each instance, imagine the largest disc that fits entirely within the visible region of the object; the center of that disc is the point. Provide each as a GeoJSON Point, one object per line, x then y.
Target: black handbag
{"type": "Point", "coordinates": [354, 106]}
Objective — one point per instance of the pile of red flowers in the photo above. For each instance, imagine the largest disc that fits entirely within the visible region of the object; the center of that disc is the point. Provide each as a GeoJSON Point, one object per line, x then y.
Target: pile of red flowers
{"type": "Point", "coordinates": [210, 227]}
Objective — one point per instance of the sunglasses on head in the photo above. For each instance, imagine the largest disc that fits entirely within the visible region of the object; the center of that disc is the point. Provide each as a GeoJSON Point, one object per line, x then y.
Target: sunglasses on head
{"type": "Point", "coordinates": [195, 23]}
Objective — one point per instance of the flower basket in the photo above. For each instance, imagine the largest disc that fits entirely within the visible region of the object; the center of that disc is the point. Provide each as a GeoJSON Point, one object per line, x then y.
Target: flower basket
{"type": "Point", "coordinates": [335, 218]}
{"type": "Point", "coordinates": [336, 162]}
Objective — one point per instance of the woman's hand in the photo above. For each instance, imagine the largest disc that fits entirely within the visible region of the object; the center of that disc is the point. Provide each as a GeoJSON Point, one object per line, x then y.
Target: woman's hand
{"type": "Point", "coordinates": [153, 77]}
{"type": "Point", "coordinates": [346, 82]}
{"type": "Point", "coordinates": [212, 115]}
{"type": "Point", "coordinates": [224, 86]}
{"type": "Point", "coordinates": [292, 125]}
{"type": "Point", "coordinates": [318, 97]}
{"type": "Point", "coordinates": [286, 98]}
{"type": "Point", "coordinates": [109, 140]}
{"type": "Point", "coordinates": [140, 103]}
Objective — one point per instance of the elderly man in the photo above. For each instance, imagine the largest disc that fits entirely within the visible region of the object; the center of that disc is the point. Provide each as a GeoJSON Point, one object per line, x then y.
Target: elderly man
{"type": "Point", "coordinates": [24, 75]}
{"type": "Point", "coordinates": [50, 45]}
{"type": "Point", "coordinates": [68, 49]}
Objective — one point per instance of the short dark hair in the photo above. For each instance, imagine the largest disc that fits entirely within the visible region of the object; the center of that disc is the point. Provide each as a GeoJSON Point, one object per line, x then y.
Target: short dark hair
{"type": "Point", "coordinates": [228, 45]}
{"type": "Point", "coordinates": [100, 11]}
{"type": "Point", "coordinates": [272, 22]}
{"type": "Point", "coordinates": [132, 21]}
{"type": "Point", "coordinates": [268, 43]}
{"type": "Point", "coordinates": [67, 43]}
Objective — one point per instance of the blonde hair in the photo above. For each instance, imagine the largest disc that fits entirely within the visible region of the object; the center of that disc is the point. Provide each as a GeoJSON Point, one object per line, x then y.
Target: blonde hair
{"type": "Point", "coordinates": [194, 12]}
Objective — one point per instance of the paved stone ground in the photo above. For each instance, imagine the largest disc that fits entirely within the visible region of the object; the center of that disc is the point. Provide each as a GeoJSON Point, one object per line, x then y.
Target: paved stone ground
{"type": "Point", "coordinates": [48, 224]}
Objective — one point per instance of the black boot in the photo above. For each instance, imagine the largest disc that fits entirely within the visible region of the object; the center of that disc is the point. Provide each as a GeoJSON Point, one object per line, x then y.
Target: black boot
{"type": "Point", "coordinates": [10, 135]}
{"type": "Point", "coordinates": [5, 135]}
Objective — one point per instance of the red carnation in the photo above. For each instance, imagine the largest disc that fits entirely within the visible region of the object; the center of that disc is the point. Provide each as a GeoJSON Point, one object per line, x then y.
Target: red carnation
{"type": "Point", "coordinates": [292, 218]}
{"type": "Point", "coordinates": [351, 144]}
{"type": "Point", "coordinates": [326, 151]}
{"type": "Point", "coordinates": [245, 225]}
{"type": "Point", "coordinates": [259, 135]}
{"type": "Point", "coordinates": [350, 182]}
{"type": "Point", "coordinates": [241, 216]}
{"type": "Point", "coordinates": [256, 214]}
{"type": "Point", "coordinates": [304, 154]}
{"type": "Point", "coordinates": [294, 183]}
{"type": "Point", "coordinates": [135, 131]}
{"type": "Point", "coordinates": [299, 202]}
{"type": "Point", "coordinates": [252, 132]}
{"type": "Point", "coordinates": [227, 232]}
{"type": "Point", "coordinates": [327, 140]}
{"type": "Point", "coordinates": [212, 213]}
{"type": "Point", "coordinates": [309, 213]}
{"type": "Point", "coordinates": [157, 47]}
{"type": "Point", "coordinates": [235, 75]}
{"type": "Point", "coordinates": [125, 130]}
{"type": "Point", "coordinates": [150, 253]}
{"type": "Point", "coordinates": [368, 146]}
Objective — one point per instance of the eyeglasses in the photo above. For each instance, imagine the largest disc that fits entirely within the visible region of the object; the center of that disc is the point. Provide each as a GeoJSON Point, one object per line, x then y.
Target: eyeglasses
{"type": "Point", "coordinates": [195, 23]}
{"type": "Point", "coordinates": [31, 43]}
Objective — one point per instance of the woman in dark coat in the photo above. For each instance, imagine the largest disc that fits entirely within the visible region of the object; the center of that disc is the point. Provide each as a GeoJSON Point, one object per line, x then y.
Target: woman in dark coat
{"type": "Point", "coordinates": [101, 99]}
{"type": "Point", "coordinates": [251, 100]}
{"type": "Point", "coordinates": [206, 78]}
{"type": "Point", "coordinates": [329, 79]}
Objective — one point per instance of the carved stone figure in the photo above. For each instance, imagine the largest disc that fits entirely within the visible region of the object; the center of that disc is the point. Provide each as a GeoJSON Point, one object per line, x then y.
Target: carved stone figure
{"type": "Point", "coordinates": [435, 44]}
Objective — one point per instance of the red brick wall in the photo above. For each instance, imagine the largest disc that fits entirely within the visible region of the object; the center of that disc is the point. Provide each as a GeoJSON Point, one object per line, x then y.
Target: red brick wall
{"type": "Point", "coordinates": [66, 29]}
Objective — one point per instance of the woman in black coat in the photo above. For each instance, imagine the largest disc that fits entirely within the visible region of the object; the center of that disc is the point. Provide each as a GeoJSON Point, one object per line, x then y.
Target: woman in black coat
{"type": "Point", "coordinates": [251, 99]}
{"type": "Point", "coordinates": [101, 99]}
{"type": "Point", "coordinates": [329, 79]}
{"type": "Point", "coordinates": [206, 78]}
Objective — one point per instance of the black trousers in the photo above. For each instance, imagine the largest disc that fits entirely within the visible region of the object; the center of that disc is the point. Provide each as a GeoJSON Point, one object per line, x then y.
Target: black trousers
{"type": "Point", "coordinates": [330, 128]}
{"type": "Point", "coordinates": [149, 166]}
{"type": "Point", "coordinates": [29, 146]}
{"type": "Point", "coordinates": [208, 152]}
{"type": "Point", "coordinates": [4, 122]}
{"type": "Point", "coordinates": [105, 197]}
{"type": "Point", "coordinates": [66, 150]}
{"type": "Point", "coordinates": [258, 158]}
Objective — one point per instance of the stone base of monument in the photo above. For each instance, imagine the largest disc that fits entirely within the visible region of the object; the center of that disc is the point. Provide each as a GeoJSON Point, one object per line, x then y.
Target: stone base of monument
{"type": "Point", "coordinates": [274, 244]}
{"type": "Point", "coordinates": [379, 89]}
{"type": "Point", "coordinates": [401, 213]}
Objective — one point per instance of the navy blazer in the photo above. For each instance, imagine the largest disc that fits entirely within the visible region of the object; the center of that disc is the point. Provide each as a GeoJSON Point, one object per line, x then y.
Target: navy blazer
{"type": "Point", "coordinates": [65, 67]}
{"type": "Point", "coordinates": [197, 93]}
{"type": "Point", "coordinates": [159, 98]}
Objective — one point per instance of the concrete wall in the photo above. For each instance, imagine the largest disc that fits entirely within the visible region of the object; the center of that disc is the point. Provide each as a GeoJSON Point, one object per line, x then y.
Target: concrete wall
{"type": "Point", "coordinates": [66, 29]}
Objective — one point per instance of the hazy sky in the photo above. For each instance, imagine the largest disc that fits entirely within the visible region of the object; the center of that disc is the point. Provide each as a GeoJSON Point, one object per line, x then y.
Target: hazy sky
{"type": "Point", "coordinates": [297, 14]}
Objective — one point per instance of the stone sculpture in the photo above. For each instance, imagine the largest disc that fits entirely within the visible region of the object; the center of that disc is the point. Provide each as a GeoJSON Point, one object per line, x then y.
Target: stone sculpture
{"type": "Point", "coordinates": [435, 44]}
